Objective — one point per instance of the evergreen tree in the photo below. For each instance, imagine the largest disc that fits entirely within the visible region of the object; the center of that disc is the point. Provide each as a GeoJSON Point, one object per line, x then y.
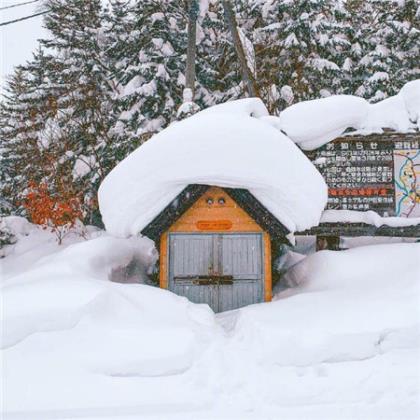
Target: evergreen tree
{"type": "Point", "coordinates": [150, 71]}
{"type": "Point", "coordinates": [384, 47]}
{"type": "Point", "coordinates": [23, 122]}
{"type": "Point", "coordinates": [218, 70]}
{"type": "Point", "coordinates": [298, 45]}
{"type": "Point", "coordinates": [83, 89]}
{"type": "Point", "coordinates": [403, 41]}
{"type": "Point", "coordinates": [106, 79]}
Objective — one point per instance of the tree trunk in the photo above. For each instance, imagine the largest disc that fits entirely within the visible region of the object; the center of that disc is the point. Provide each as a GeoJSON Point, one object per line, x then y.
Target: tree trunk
{"type": "Point", "coordinates": [191, 48]}
{"type": "Point", "coordinates": [247, 76]}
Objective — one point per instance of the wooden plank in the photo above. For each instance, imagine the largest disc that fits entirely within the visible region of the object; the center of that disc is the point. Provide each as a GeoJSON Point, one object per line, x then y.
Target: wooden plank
{"type": "Point", "coordinates": [268, 282]}
{"type": "Point", "coordinates": [208, 215]}
{"type": "Point", "coordinates": [163, 262]}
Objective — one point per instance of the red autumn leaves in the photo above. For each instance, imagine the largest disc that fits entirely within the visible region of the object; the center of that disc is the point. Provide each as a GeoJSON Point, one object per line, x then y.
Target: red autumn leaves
{"type": "Point", "coordinates": [59, 212]}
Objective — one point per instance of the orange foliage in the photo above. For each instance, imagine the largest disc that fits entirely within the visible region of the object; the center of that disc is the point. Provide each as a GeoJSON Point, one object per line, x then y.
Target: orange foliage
{"type": "Point", "coordinates": [60, 212]}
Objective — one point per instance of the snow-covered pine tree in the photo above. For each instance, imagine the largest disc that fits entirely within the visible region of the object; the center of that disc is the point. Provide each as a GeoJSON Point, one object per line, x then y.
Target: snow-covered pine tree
{"type": "Point", "coordinates": [384, 47]}
{"type": "Point", "coordinates": [367, 65]}
{"type": "Point", "coordinates": [217, 68]}
{"type": "Point", "coordinates": [150, 72]}
{"type": "Point", "coordinates": [23, 114]}
{"type": "Point", "coordinates": [298, 46]}
{"type": "Point", "coordinates": [83, 86]}
{"type": "Point", "coordinates": [119, 38]}
{"type": "Point", "coordinates": [403, 41]}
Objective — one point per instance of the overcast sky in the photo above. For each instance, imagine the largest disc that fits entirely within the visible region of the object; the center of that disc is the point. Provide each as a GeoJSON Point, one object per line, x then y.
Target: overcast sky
{"type": "Point", "coordinates": [18, 40]}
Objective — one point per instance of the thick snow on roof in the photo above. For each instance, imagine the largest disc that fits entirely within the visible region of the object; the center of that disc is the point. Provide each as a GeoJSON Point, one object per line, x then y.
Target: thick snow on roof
{"type": "Point", "coordinates": [314, 123]}
{"type": "Point", "coordinates": [227, 145]}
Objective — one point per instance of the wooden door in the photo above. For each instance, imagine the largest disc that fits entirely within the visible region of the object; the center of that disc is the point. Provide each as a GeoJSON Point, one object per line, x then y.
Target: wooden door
{"type": "Point", "coordinates": [223, 270]}
{"type": "Point", "coordinates": [241, 257]}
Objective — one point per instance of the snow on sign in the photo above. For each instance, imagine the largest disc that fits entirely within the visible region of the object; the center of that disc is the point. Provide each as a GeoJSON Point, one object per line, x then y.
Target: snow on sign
{"type": "Point", "coordinates": [379, 172]}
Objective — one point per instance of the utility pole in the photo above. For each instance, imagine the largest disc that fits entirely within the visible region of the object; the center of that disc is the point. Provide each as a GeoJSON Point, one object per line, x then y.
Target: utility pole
{"type": "Point", "coordinates": [191, 47]}
{"type": "Point", "coordinates": [247, 76]}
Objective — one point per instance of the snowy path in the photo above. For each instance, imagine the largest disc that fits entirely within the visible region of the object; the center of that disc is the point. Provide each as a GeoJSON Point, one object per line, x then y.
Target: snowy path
{"type": "Point", "coordinates": [347, 390]}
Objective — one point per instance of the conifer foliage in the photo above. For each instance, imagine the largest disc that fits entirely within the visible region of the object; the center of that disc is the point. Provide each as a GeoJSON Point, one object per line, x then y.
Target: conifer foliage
{"type": "Point", "coordinates": [110, 75]}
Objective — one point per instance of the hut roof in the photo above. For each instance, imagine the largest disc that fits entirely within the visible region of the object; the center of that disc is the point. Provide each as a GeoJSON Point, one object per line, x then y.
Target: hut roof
{"type": "Point", "coordinates": [228, 146]}
{"type": "Point", "coordinates": [174, 210]}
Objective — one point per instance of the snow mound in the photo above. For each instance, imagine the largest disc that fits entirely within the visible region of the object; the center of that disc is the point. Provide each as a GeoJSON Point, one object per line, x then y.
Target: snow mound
{"type": "Point", "coordinates": [228, 145]}
{"type": "Point", "coordinates": [16, 225]}
{"type": "Point", "coordinates": [312, 124]}
{"type": "Point", "coordinates": [369, 217]}
{"type": "Point", "coordinates": [343, 306]}
{"type": "Point", "coordinates": [344, 339]}
{"type": "Point", "coordinates": [102, 327]}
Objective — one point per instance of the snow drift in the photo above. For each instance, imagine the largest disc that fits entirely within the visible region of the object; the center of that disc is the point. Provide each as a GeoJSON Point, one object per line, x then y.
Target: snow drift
{"type": "Point", "coordinates": [369, 217]}
{"type": "Point", "coordinates": [311, 124]}
{"type": "Point", "coordinates": [344, 339]}
{"type": "Point", "coordinates": [228, 145]}
{"type": "Point", "coordinates": [343, 306]}
{"type": "Point", "coordinates": [68, 295]}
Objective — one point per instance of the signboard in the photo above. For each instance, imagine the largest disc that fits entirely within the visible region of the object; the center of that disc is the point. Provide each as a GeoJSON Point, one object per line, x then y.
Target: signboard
{"type": "Point", "coordinates": [378, 172]}
{"type": "Point", "coordinates": [214, 225]}
{"type": "Point", "coordinates": [407, 182]}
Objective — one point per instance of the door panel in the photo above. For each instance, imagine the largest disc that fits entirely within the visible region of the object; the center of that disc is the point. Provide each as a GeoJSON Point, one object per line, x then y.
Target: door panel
{"type": "Point", "coordinates": [241, 257]}
{"type": "Point", "coordinates": [202, 266]}
{"type": "Point", "coordinates": [192, 256]}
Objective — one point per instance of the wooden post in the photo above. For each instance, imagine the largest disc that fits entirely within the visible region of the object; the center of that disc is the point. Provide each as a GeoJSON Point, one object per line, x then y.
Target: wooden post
{"type": "Point", "coordinates": [163, 263]}
{"type": "Point", "coordinates": [268, 281]}
{"type": "Point", "coordinates": [331, 243]}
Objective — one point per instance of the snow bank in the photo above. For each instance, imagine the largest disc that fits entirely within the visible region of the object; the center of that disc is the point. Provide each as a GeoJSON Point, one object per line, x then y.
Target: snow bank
{"type": "Point", "coordinates": [228, 145]}
{"type": "Point", "coordinates": [343, 342]}
{"type": "Point", "coordinates": [312, 124]}
{"type": "Point", "coordinates": [16, 225]}
{"type": "Point", "coordinates": [102, 327]}
{"type": "Point", "coordinates": [344, 306]}
{"type": "Point", "coordinates": [32, 243]}
{"type": "Point", "coordinates": [369, 217]}
{"type": "Point", "coordinates": [93, 259]}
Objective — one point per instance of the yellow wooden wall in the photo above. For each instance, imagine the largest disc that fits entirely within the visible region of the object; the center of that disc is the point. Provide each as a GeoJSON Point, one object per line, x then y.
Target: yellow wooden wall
{"type": "Point", "coordinates": [202, 217]}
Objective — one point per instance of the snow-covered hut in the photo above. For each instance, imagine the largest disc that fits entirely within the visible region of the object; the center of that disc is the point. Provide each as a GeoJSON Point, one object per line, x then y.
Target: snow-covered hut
{"type": "Point", "coordinates": [213, 191]}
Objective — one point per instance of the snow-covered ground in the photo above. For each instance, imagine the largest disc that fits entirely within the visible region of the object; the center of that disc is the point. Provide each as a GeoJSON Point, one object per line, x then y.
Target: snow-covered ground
{"type": "Point", "coordinates": [342, 343]}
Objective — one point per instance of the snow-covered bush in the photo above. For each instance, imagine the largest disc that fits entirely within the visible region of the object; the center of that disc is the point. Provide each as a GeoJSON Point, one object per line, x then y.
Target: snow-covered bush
{"type": "Point", "coordinates": [6, 237]}
{"type": "Point", "coordinates": [11, 228]}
